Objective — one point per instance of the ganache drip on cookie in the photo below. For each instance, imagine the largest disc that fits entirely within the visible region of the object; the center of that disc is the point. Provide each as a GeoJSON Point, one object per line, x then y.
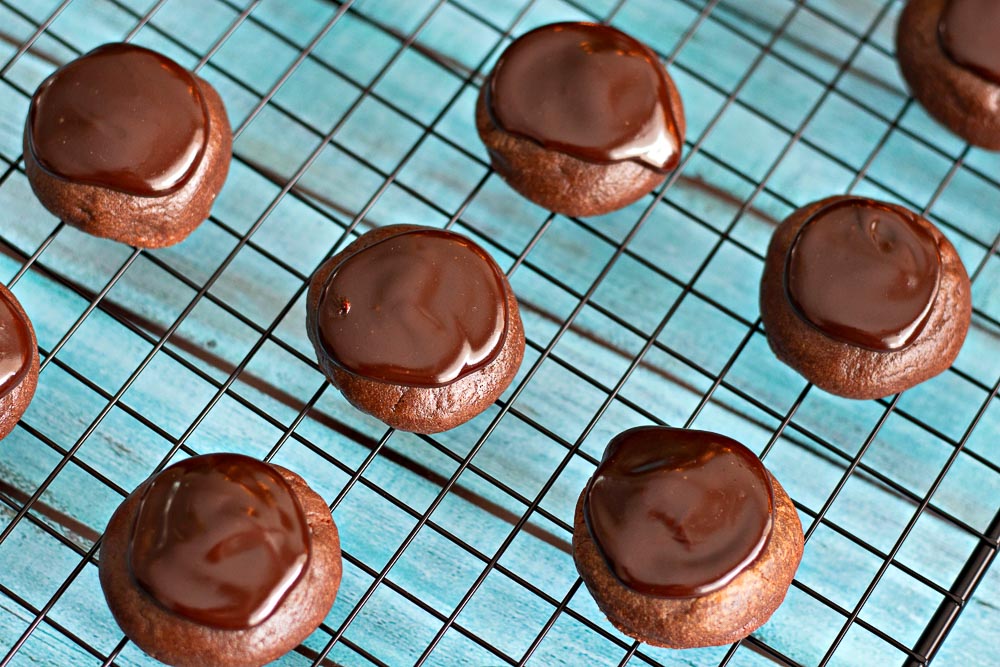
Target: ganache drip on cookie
{"type": "Point", "coordinates": [421, 308]}
{"type": "Point", "coordinates": [864, 273]}
{"type": "Point", "coordinates": [678, 513]}
{"type": "Point", "coordinates": [16, 349]}
{"type": "Point", "coordinates": [587, 90]}
{"type": "Point", "coordinates": [120, 117]}
{"type": "Point", "coordinates": [220, 540]}
{"type": "Point", "coordinates": [970, 34]}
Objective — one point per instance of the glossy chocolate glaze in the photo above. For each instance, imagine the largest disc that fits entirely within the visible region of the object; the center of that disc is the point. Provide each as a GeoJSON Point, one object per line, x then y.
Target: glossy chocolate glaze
{"type": "Point", "coordinates": [678, 513]}
{"type": "Point", "coordinates": [219, 539]}
{"type": "Point", "coordinates": [970, 35]}
{"type": "Point", "coordinates": [422, 308]}
{"type": "Point", "coordinates": [16, 349]}
{"type": "Point", "coordinates": [587, 90]}
{"type": "Point", "coordinates": [120, 117]}
{"type": "Point", "coordinates": [864, 274]}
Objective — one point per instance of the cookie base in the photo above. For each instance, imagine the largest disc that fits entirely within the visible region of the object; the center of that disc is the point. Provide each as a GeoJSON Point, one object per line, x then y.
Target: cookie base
{"type": "Point", "coordinates": [417, 409]}
{"type": "Point", "coordinates": [717, 618]}
{"type": "Point", "coordinates": [957, 97]}
{"type": "Point", "coordinates": [848, 370]}
{"type": "Point", "coordinates": [562, 183]}
{"type": "Point", "coordinates": [178, 641]}
{"type": "Point", "coordinates": [145, 222]}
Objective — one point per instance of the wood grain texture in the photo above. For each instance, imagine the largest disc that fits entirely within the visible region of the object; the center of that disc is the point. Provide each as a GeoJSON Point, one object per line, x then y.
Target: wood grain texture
{"type": "Point", "coordinates": [543, 449]}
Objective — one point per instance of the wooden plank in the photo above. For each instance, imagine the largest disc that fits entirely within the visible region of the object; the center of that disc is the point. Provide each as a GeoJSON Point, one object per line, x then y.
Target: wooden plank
{"type": "Point", "coordinates": [569, 387]}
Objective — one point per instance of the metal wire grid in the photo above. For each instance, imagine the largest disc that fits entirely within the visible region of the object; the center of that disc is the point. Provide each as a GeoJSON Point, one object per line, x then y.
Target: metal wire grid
{"type": "Point", "coordinates": [27, 507]}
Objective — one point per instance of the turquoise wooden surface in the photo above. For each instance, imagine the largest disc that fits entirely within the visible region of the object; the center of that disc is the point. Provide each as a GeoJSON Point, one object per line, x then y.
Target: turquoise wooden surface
{"type": "Point", "coordinates": [785, 103]}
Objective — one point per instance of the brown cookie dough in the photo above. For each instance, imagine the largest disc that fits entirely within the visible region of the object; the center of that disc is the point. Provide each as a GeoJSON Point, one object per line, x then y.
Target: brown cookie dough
{"type": "Point", "coordinates": [878, 336]}
{"type": "Point", "coordinates": [559, 129]}
{"type": "Point", "coordinates": [948, 54]}
{"type": "Point", "coordinates": [180, 602]}
{"type": "Point", "coordinates": [147, 178]}
{"type": "Point", "coordinates": [447, 342]}
{"type": "Point", "coordinates": [716, 559]}
{"type": "Point", "coordinates": [18, 361]}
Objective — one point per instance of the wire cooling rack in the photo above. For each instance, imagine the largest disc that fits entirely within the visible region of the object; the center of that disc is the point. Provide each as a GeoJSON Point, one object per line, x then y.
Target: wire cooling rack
{"type": "Point", "coordinates": [457, 546]}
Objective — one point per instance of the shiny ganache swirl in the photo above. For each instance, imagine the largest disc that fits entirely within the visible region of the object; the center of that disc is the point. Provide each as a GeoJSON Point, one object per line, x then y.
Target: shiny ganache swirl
{"type": "Point", "coordinates": [970, 34]}
{"type": "Point", "coordinates": [16, 349]}
{"type": "Point", "coordinates": [423, 308]}
{"type": "Point", "coordinates": [587, 90]}
{"type": "Point", "coordinates": [219, 539]}
{"type": "Point", "coordinates": [678, 513]}
{"type": "Point", "coordinates": [120, 117]}
{"type": "Point", "coordinates": [864, 273]}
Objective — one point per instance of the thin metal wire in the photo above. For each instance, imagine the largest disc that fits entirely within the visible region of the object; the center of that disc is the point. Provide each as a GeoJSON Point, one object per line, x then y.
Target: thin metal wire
{"type": "Point", "coordinates": [42, 27]}
{"type": "Point", "coordinates": [653, 267]}
{"type": "Point", "coordinates": [115, 399]}
{"type": "Point", "coordinates": [555, 339]}
{"type": "Point", "coordinates": [107, 409]}
{"type": "Point", "coordinates": [917, 138]}
{"type": "Point", "coordinates": [276, 320]}
{"type": "Point", "coordinates": [24, 508]}
{"type": "Point", "coordinates": [515, 529]}
{"type": "Point", "coordinates": [744, 207]}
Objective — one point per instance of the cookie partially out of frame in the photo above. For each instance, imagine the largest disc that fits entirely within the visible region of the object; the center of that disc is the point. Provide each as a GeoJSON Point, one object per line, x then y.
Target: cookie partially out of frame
{"type": "Point", "coordinates": [144, 173]}
{"type": "Point", "coordinates": [18, 361]}
{"type": "Point", "coordinates": [416, 326]}
{"type": "Point", "coordinates": [948, 55]}
{"type": "Point", "coordinates": [884, 300]}
{"type": "Point", "coordinates": [559, 128]}
{"type": "Point", "coordinates": [684, 539]}
{"type": "Point", "coordinates": [220, 560]}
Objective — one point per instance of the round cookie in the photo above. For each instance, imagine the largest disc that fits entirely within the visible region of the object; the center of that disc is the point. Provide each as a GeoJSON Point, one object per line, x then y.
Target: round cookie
{"type": "Point", "coordinates": [220, 560]}
{"type": "Point", "coordinates": [949, 55]}
{"type": "Point", "coordinates": [18, 361]}
{"type": "Point", "coordinates": [145, 176]}
{"type": "Point", "coordinates": [416, 326]}
{"type": "Point", "coordinates": [559, 128]}
{"type": "Point", "coordinates": [863, 298]}
{"type": "Point", "coordinates": [684, 539]}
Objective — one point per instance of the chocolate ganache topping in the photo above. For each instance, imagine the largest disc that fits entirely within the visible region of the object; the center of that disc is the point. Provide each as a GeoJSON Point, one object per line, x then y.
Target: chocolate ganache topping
{"type": "Point", "coordinates": [219, 539]}
{"type": "Point", "coordinates": [422, 308]}
{"type": "Point", "coordinates": [120, 117]}
{"type": "Point", "coordinates": [16, 350]}
{"type": "Point", "coordinates": [678, 513]}
{"type": "Point", "coordinates": [970, 35]}
{"type": "Point", "coordinates": [864, 273]}
{"type": "Point", "coordinates": [587, 90]}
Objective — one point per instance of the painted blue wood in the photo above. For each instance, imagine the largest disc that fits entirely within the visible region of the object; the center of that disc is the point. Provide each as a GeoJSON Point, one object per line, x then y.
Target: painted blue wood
{"type": "Point", "coordinates": [531, 443]}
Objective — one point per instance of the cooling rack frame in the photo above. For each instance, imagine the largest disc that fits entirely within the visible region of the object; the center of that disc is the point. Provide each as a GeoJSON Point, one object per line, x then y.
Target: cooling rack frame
{"type": "Point", "coordinates": [714, 190]}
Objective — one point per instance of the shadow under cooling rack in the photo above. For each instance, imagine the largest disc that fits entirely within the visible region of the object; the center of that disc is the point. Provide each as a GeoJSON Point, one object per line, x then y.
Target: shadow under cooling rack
{"type": "Point", "coordinates": [457, 546]}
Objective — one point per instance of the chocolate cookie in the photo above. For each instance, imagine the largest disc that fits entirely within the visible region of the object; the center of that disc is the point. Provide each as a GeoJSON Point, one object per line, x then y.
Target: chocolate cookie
{"type": "Point", "coordinates": [416, 326]}
{"type": "Point", "coordinates": [220, 560]}
{"type": "Point", "coordinates": [863, 298]}
{"type": "Point", "coordinates": [684, 538]}
{"type": "Point", "coordinates": [126, 144]}
{"type": "Point", "coordinates": [18, 361]}
{"type": "Point", "coordinates": [949, 54]}
{"type": "Point", "coordinates": [581, 118]}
